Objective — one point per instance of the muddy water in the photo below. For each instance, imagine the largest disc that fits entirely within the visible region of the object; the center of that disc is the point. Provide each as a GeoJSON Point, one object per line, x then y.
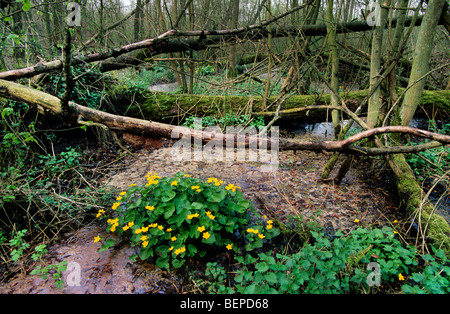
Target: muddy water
{"type": "Point", "coordinates": [106, 272]}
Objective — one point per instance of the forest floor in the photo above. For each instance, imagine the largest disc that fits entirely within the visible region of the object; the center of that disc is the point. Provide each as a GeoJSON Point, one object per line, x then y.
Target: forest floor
{"type": "Point", "coordinates": [293, 190]}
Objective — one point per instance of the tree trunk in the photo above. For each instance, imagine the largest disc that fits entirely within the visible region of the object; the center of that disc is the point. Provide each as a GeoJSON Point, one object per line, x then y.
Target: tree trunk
{"type": "Point", "coordinates": [309, 108]}
{"type": "Point", "coordinates": [375, 66]}
{"type": "Point", "coordinates": [232, 55]}
{"type": "Point", "coordinates": [334, 58]}
{"type": "Point", "coordinates": [137, 20]}
{"type": "Point", "coordinates": [421, 60]}
{"type": "Point", "coordinates": [86, 116]}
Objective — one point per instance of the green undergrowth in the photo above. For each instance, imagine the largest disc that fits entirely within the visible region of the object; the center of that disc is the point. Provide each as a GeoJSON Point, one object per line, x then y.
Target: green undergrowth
{"type": "Point", "coordinates": [183, 222]}
{"type": "Point", "coordinates": [364, 261]}
{"type": "Point", "coordinates": [47, 186]}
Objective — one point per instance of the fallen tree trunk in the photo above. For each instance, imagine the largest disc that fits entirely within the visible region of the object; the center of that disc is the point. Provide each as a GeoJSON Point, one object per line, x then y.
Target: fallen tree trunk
{"type": "Point", "coordinates": [85, 115]}
{"type": "Point", "coordinates": [160, 106]}
{"type": "Point", "coordinates": [438, 229]}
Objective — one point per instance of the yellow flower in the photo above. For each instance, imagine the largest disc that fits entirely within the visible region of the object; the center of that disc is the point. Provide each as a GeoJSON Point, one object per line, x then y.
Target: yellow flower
{"type": "Point", "coordinates": [356, 221]}
{"type": "Point", "coordinates": [97, 238]}
{"type": "Point", "coordinates": [122, 193]}
{"type": "Point", "coordinates": [114, 221]}
{"type": "Point", "coordinates": [186, 176]}
{"type": "Point", "coordinates": [174, 183]}
{"type": "Point", "coordinates": [169, 229]}
{"type": "Point", "coordinates": [100, 212]}
{"type": "Point", "coordinates": [115, 205]}
{"type": "Point", "coordinates": [269, 222]}
{"type": "Point", "coordinates": [160, 227]}
{"type": "Point", "coordinates": [400, 277]}
{"type": "Point", "coordinates": [150, 207]}
{"type": "Point", "coordinates": [144, 229]}
{"type": "Point", "coordinates": [261, 236]}
{"type": "Point", "coordinates": [130, 224]}
{"type": "Point", "coordinates": [211, 216]}
{"type": "Point", "coordinates": [395, 231]}
{"type": "Point", "coordinates": [269, 227]}
{"type": "Point", "coordinates": [206, 235]}
{"type": "Point", "coordinates": [118, 198]}
{"type": "Point", "coordinates": [137, 231]}
{"type": "Point", "coordinates": [232, 187]}
{"type": "Point", "coordinates": [133, 184]}
{"type": "Point", "coordinates": [229, 246]}
{"type": "Point", "coordinates": [113, 228]}
{"type": "Point", "coordinates": [145, 243]}
{"type": "Point", "coordinates": [144, 238]}
{"type": "Point", "coordinates": [201, 229]}
{"type": "Point", "coordinates": [125, 228]}
{"type": "Point", "coordinates": [173, 239]}
{"type": "Point", "coordinates": [249, 230]}
{"type": "Point", "coordinates": [195, 187]}
{"type": "Point", "coordinates": [395, 221]}
{"type": "Point", "coordinates": [171, 248]}
{"type": "Point", "coordinates": [192, 216]}
{"type": "Point", "coordinates": [199, 190]}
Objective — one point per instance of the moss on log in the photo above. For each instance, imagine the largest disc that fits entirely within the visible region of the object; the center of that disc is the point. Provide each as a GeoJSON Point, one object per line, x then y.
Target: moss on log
{"type": "Point", "coordinates": [160, 106]}
{"type": "Point", "coordinates": [411, 194]}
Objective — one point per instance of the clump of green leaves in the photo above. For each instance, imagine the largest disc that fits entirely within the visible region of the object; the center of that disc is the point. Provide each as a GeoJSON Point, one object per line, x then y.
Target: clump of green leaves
{"type": "Point", "coordinates": [18, 244]}
{"type": "Point", "coordinates": [434, 276]}
{"type": "Point", "coordinates": [55, 270]}
{"type": "Point", "coordinates": [229, 119]}
{"type": "Point", "coordinates": [434, 161]}
{"type": "Point", "coordinates": [170, 219]}
{"type": "Point", "coordinates": [206, 70]}
{"type": "Point", "coordinates": [325, 266]}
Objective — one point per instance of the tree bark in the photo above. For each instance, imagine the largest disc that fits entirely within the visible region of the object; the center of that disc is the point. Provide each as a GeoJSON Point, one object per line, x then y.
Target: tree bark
{"type": "Point", "coordinates": [87, 115]}
{"type": "Point", "coordinates": [421, 60]}
{"type": "Point", "coordinates": [309, 108]}
{"type": "Point", "coordinates": [374, 105]}
{"type": "Point", "coordinates": [334, 59]}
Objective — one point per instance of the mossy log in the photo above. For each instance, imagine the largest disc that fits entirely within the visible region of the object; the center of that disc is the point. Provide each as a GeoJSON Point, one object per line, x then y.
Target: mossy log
{"type": "Point", "coordinates": [159, 106]}
{"type": "Point", "coordinates": [435, 228]}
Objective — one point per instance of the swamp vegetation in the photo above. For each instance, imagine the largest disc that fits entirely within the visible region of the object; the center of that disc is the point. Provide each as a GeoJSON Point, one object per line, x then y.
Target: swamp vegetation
{"type": "Point", "coordinates": [92, 199]}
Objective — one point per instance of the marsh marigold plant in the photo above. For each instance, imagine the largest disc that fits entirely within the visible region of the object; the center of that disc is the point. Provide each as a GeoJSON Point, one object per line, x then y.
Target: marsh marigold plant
{"type": "Point", "coordinates": [170, 219]}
